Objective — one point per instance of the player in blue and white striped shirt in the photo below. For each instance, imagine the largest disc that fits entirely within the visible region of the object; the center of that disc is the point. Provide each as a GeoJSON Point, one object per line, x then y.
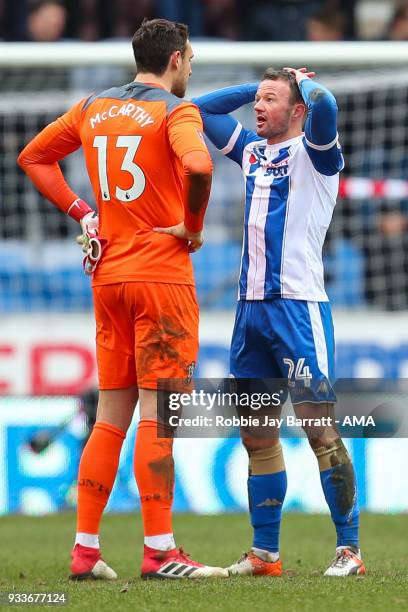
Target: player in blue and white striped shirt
{"type": "Point", "coordinates": [283, 326]}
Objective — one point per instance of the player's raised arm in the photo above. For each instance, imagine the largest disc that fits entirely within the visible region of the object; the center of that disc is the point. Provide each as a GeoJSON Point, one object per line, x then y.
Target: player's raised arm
{"type": "Point", "coordinates": [184, 128]}
{"type": "Point", "coordinates": [321, 138]}
{"type": "Point", "coordinates": [224, 131]}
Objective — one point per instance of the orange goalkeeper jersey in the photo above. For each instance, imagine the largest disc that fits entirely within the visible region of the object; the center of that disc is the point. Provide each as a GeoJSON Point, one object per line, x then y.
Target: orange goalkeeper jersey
{"type": "Point", "coordinates": [134, 138]}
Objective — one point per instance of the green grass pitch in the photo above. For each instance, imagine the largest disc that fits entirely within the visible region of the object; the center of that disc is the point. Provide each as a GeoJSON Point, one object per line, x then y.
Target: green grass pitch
{"type": "Point", "coordinates": [34, 557]}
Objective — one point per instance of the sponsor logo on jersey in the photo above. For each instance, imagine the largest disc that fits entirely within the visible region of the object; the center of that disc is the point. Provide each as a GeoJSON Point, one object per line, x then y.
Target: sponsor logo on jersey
{"type": "Point", "coordinates": [277, 167]}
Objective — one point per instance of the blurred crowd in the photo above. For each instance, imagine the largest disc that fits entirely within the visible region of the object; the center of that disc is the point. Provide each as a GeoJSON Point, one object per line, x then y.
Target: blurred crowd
{"type": "Point", "coordinates": [90, 20]}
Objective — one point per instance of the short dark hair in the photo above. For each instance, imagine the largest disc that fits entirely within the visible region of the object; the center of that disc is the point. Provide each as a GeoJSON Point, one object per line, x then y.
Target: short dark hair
{"type": "Point", "coordinates": [38, 4]}
{"type": "Point", "coordinates": [272, 74]}
{"type": "Point", "coordinates": [155, 41]}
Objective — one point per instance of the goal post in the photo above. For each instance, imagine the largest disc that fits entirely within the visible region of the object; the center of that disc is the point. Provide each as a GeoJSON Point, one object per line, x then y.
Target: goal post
{"type": "Point", "coordinates": [116, 53]}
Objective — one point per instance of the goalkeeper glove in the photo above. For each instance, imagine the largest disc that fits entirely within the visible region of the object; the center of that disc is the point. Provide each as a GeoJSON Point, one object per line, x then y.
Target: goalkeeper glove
{"type": "Point", "coordinates": [92, 244]}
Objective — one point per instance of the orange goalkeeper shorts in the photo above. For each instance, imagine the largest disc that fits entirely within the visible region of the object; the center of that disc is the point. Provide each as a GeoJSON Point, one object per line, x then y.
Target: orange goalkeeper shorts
{"type": "Point", "coordinates": [145, 331]}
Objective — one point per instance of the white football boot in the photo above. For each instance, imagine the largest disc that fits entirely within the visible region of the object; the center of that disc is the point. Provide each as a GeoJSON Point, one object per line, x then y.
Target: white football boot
{"type": "Point", "coordinates": [347, 562]}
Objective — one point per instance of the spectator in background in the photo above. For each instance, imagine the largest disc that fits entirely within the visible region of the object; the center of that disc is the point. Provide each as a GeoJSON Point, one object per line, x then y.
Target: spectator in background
{"type": "Point", "coordinates": [46, 21]}
{"type": "Point", "coordinates": [185, 11]}
{"type": "Point", "coordinates": [221, 19]}
{"type": "Point", "coordinates": [129, 15]}
{"type": "Point", "coordinates": [274, 20]}
{"type": "Point", "coordinates": [386, 258]}
{"type": "Point", "coordinates": [13, 20]}
{"type": "Point", "coordinates": [100, 19]}
{"type": "Point", "coordinates": [231, 19]}
{"type": "Point", "coordinates": [325, 25]}
{"type": "Point", "coordinates": [347, 8]}
{"type": "Point", "coordinates": [398, 26]}
{"type": "Point", "coordinates": [378, 227]}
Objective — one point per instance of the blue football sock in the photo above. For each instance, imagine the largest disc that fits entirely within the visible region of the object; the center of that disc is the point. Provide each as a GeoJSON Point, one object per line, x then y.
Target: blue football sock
{"type": "Point", "coordinates": [339, 487]}
{"type": "Point", "coordinates": [266, 494]}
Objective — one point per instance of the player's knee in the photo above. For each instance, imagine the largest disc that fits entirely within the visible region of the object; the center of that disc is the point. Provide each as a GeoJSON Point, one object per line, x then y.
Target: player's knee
{"type": "Point", "coordinates": [318, 423]}
{"type": "Point", "coordinates": [266, 460]}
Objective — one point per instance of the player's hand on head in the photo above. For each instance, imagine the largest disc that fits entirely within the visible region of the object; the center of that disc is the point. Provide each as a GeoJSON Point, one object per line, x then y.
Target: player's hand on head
{"type": "Point", "coordinates": [300, 73]}
{"type": "Point", "coordinates": [195, 239]}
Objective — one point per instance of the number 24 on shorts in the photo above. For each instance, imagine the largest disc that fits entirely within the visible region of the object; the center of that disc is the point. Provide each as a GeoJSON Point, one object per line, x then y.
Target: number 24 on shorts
{"type": "Point", "coordinates": [298, 371]}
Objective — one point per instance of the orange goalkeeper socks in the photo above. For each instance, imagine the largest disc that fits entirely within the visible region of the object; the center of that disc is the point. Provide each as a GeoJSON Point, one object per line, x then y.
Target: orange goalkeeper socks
{"type": "Point", "coordinates": [154, 473]}
{"type": "Point", "coordinates": [97, 472]}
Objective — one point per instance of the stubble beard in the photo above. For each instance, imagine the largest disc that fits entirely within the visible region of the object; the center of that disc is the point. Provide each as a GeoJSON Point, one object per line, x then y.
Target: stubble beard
{"type": "Point", "coordinates": [179, 89]}
{"type": "Point", "coordinates": [274, 131]}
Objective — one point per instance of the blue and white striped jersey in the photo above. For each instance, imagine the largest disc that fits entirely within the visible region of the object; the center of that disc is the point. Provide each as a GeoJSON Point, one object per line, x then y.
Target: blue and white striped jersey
{"type": "Point", "coordinates": [290, 193]}
{"type": "Point", "coordinates": [288, 208]}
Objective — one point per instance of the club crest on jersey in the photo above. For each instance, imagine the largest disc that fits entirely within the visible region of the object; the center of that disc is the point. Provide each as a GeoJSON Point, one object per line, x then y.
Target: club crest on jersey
{"type": "Point", "coordinates": [256, 158]}
{"type": "Point", "coordinates": [277, 167]}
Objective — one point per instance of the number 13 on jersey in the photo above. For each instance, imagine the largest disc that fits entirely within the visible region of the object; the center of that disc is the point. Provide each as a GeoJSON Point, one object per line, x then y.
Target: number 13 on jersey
{"type": "Point", "coordinates": [131, 144]}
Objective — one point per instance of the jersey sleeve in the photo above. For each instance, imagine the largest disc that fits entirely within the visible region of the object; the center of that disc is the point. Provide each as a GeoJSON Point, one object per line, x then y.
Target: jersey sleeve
{"type": "Point", "coordinates": [321, 138]}
{"type": "Point", "coordinates": [224, 131]}
{"type": "Point", "coordinates": [185, 131]}
{"type": "Point", "coordinates": [39, 159]}
{"type": "Point", "coordinates": [184, 128]}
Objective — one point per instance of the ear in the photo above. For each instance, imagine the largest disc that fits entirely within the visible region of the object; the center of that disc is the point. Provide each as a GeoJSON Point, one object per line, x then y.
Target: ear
{"type": "Point", "coordinates": [175, 59]}
{"type": "Point", "coordinates": [299, 111]}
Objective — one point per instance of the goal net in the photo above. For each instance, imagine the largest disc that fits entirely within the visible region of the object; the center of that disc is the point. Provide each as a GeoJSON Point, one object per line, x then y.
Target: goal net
{"type": "Point", "coordinates": [366, 250]}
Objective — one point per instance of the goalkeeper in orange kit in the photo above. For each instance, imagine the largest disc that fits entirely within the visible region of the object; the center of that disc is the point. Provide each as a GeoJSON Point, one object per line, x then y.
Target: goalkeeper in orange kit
{"type": "Point", "coordinates": [149, 169]}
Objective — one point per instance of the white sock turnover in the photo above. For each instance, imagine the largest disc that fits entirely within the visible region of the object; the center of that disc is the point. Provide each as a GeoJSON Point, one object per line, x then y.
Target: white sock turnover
{"type": "Point", "coordinates": [265, 555]}
{"type": "Point", "coordinates": [164, 541]}
{"type": "Point", "coordinates": [87, 539]}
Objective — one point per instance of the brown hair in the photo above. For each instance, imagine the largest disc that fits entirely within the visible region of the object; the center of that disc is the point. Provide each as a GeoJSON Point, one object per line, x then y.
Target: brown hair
{"type": "Point", "coordinates": [155, 41]}
{"type": "Point", "coordinates": [272, 74]}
